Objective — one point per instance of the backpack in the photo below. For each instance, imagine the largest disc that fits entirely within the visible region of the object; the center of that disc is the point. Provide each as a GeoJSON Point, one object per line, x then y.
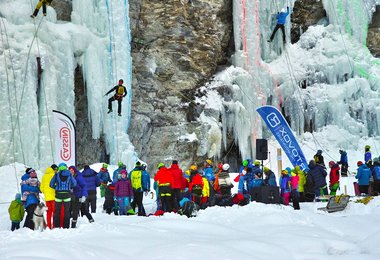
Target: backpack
{"type": "Point", "coordinates": [136, 179]}
{"type": "Point", "coordinates": [120, 90]}
{"type": "Point", "coordinates": [188, 209]}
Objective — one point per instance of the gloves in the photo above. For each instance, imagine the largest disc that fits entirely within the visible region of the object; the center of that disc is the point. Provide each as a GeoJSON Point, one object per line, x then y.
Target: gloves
{"type": "Point", "coordinates": [82, 199]}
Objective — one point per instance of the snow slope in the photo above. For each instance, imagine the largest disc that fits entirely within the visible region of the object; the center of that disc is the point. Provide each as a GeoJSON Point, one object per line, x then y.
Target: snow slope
{"type": "Point", "coordinates": [255, 231]}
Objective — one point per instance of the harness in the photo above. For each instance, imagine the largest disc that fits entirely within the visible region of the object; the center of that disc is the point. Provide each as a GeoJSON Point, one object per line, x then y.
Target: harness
{"type": "Point", "coordinates": [38, 215]}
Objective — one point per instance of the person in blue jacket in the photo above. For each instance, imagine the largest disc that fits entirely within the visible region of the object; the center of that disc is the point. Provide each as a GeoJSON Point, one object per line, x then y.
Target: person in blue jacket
{"type": "Point", "coordinates": [253, 178]}
{"type": "Point", "coordinates": [78, 198]}
{"type": "Point", "coordinates": [281, 20]}
{"type": "Point", "coordinates": [115, 176]}
{"type": "Point", "coordinates": [209, 174]}
{"type": "Point", "coordinates": [32, 199]}
{"type": "Point", "coordinates": [363, 175]}
{"type": "Point", "coordinates": [92, 181]}
{"type": "Point", "coordinates": [270, 177]}
{"type": "Point", "coordinates": [367, 154]}
{"type": "Point", "coordinates": [344, 162]}
{"type": "Point", "coordinates": [63, 182]}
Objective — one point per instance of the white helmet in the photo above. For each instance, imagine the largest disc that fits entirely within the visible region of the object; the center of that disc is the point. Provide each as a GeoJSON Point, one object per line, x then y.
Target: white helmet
{"type": "Point", "coordinates": [225, 167]}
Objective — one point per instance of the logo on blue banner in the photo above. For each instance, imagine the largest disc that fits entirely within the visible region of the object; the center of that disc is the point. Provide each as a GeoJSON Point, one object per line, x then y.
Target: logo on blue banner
{"type": "Point", "coordinates": [281, 130]}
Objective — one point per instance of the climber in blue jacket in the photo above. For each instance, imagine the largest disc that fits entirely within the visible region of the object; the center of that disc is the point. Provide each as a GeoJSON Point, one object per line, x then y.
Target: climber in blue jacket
{"type": "Point", "coordinates": [281, 19]}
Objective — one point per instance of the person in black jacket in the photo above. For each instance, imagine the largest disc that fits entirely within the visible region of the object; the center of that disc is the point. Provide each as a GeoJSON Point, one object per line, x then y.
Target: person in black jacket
{"type": "Point", "coordinates": [316, 178]}
{"type": "Point", "coordinates": [120, 92]}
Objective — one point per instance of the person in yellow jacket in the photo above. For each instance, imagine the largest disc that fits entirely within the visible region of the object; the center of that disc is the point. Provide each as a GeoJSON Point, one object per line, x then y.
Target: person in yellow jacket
{"type": "Point", "coordinates": [301, 182]}
{"type": "Point", "coordinates": [42, 3]}
{"type": "Point", "coordinates": [49, 193]}
{"type": "Point", "coordinates": [205, 193]}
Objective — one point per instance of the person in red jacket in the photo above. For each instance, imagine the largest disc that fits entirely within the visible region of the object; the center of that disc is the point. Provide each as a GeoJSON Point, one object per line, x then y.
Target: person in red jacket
{"type": "Point", "coordinates": [334, 177]}
{"type": "Point", "coordinates": [196, 186]}
{"type": "Point", "coordinates": [177, 184]}
{"type": "Point", "coordinates": [164, 180]}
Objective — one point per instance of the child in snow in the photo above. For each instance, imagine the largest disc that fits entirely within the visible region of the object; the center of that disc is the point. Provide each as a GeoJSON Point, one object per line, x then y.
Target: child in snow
{"type": "Point", "coordinates": [31, 181]}
{"type": "Point", "coordinates": [123, 192]}
{"type": "Point", "coordinates": [16, 212]}
{"type": "Point", "coordinates": [285, 187]}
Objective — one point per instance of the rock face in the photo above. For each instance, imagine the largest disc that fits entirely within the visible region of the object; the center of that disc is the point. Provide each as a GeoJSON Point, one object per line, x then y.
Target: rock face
{"type": "Point", "coordinates": [305, 13]}
{"type": "Point", "coordinates": [177, 47]}
{"type": "Point", "coordinates": [373, 36]}
{"type": "Point", "coordinates": [63, 9]}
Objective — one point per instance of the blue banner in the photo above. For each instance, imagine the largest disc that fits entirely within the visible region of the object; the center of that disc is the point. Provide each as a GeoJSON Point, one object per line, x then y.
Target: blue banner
{"type": "Point", "coordinates": [281, 130]}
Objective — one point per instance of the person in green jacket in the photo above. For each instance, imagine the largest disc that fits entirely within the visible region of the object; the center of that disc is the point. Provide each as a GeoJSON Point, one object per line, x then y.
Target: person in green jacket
{"type": "Point", "coordinates": [16, 212]}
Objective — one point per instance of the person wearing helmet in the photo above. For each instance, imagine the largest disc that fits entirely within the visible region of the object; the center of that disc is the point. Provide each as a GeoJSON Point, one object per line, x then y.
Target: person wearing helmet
{"type": "Point", "coordinates": [223, 186]}
{"type": "Point", "coordinates": [120, 92]}
{"type": "Point", "coordinates": [318, 158]}
{"type": "Point", "coordinates": [115, 175]}
{"type": "Point", "coordinates": [165, 180]}
{"type": "Point", "coordinates": [270, 177]}
{"type": "Point", "coordinates": [104, 178]}
{"type": "Point", "coordinates": [363, 175]}
{"type": "Point", "coordinates": [367, 154]}
{"type": "Point", "coordinates": [334, 177]}
{"type": "Point", "coordinates": [281, 20]}
{"type": "Point", "coordinates": [344, 162]}
{"type": "Point", "coordinates": [43, 4]}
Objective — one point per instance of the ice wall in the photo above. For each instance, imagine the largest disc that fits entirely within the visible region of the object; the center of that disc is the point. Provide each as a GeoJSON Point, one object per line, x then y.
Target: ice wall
{"type": "Point", "coordinates": [98, 40]}
{"type": "Point", "coordinates": [103, 65]}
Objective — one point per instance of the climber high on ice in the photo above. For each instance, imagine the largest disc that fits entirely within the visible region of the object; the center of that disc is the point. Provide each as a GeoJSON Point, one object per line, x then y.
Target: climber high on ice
{"type": "Point", "coordinates": [42, 3]}
{"type": "Point", "coordinates": [120, 92]}
{"type": "Point", "coordinates": [281, 20]}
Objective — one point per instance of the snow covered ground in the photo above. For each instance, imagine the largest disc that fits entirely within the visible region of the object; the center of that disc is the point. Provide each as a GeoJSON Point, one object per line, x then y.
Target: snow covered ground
{"type": "Point", "coordinates": [255, 231]}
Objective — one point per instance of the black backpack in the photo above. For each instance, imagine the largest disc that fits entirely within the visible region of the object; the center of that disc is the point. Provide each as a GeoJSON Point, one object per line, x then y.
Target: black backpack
{"type": "Point", "coordinates": [188, 209]}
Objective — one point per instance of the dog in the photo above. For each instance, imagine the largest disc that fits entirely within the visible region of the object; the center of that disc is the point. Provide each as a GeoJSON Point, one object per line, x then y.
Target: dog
{"type": "Point", "coordinates": [38, 217]}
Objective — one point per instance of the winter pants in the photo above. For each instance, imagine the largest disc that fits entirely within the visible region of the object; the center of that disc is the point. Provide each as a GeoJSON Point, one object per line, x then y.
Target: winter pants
{"type": "Point", "coordinates": [76, 206]}
{"type": "Point", "coordinates": [321, 191]}
{"type": "Point", "coordinates": [62, 199]}
{"type": "Point", "coordinates": [15, 225]}
{"type": "Point", "coordinates": [344, 169]}
{"type": "Point", "coordinates": [285, 198]}
{"type": "Point", "coordinates": [50, 212]}
{"type": "Point", "coordinates": [295, 199]}
{"type": "Point", "coordinates": [123, 205]}
{"type": "Point", "coordinates": [279, 26]}
{"type": "Point", "coordinates": [166, 198]}
{"type": "Point", "coordinates": [363, 189]}
{"type": "Point", "coordinates": [137, 201]}
{"type": "Point", "coordinates": [91, 200]}
{"type": "Point", "coordinates": [29, 216]}
{"type": "Point", "coordinates": [334, 188]}
{"type": "Point", "coordinates": [111, 99]}
{"type": "Point", "coordinates": [177, 197]}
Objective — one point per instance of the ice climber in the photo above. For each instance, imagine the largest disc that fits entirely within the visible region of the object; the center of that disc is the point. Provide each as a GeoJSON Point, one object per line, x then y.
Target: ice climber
{"type": "Point", "coordinates": [281, 19]}
{"type": "Point", "coordinates": [120, 92]}
{"type": "Point", "coordinates": [42, 3]}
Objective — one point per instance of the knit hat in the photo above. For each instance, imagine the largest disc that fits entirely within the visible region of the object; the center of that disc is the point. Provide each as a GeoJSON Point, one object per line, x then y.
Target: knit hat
{"type": "Point", "coordinates": [175, 162]}
{"type": "Point", "coordinates": [18, 196]}
{"type": "Point", "coordinates": [120, 164]}
{"type": "Point", "coordinates": [359, 163]}
{"type": "Point", "coordinates": [105, 166]}
{"type": "Point", "coordinates": [319, 152]}
{"type": "Point", "coordinates": [138, 163]}
{"type": "Point", "coordinates": [54, 167]}
{"type": "Point", "coordinates": [72, 167]}
{"type": "Point", "coordinates": [27, 170]}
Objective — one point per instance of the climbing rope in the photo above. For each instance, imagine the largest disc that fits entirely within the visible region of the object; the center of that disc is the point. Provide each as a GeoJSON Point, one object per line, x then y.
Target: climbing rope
{"type": "Point", "coordinates": [9, 101]}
